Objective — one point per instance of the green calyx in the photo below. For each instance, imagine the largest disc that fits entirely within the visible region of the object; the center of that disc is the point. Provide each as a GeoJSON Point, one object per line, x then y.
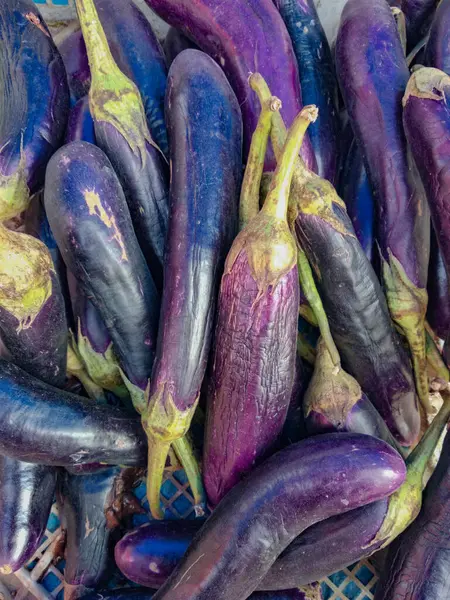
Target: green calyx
{"type": "Point", "coordinates": [75, 368]}
{"type": "Point", "coordinates": [408, 306]}
{"type": "Point", "coordinates": [14, 192]}
{"type": "Point", "coordinates": [138, 396]}
{"type": "Point", "coordinates": [438, 374]}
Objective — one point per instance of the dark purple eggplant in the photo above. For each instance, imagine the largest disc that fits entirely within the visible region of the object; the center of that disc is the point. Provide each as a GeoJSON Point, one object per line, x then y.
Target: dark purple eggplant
{"type": "Point", "coordinates": [243, 36]}
{"type": "Point", "coordinates": [358, 315]}
{"type": "Point", "coordinates": [253, 361]}
{"type": "Point", "coordinates": [26, 497]}
{"type": "Point", "coordinates": [297, 487]}
{"type": "Point", "coordinates": [438, 312]}
{"type": "Point", "coordinates": [205, 132]}
{"type": "Point", "coordinates": [373, 75]}
{"type": "Point", "coordinates": [91, 223]}
{"type": "Point", "coordinates": [73, 53]}
{"type": "Point", "coordinates": [437, 50]}
{"type": "Point", "coordinates": [419, 15]}
{"type": "Point", "coordinates": [41, 424]}
{"type": "Point", "coordinates": [174, 43]}
{"type": "Point", "coordinates": [317, 80]}
{"type": "Point", "coordinates": [418, 562]}
{"type": "Point", "coordinates": [80, 126]}
{"type": "Point", "coordinates": [121, 131]}
{"type": "Point", "coordinates": [312, 592]}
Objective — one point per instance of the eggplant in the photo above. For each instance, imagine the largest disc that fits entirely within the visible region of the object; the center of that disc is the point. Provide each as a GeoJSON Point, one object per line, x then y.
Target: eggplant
{"type": "Point", "coordinates": [202, 113]}
{"type": "Point", "coordinates": [358, 315]}
{"type": "Point", "coordinates": [255, 345]}
{"type": "Point", "coordinates": [308, 593]}
{"type": "Point", "coordinates": [373, 75]}
{"type": "Point", "coordinates": [419, 14]}
{"type": "Point", "coordinates": [295, 488]}
{"type": "Point", "coordinates": [418, 561]}
{"type": "Point", "coordinates": [174, 43]}
{"type": "Point", "coordinates": [41, 424]}
{"type": "Point", "coordinates": [317, 80]}
{"type": "Point", "coordinates": [438, 312]}
{"type": "Point", "coordinates": [73, 53]}
{"type": "Point", "coordinates": [91, 223]}
{"type": "Point", "coordinates": [437, 53]}
{"type": "Point", "coordinates": [121, 131]}
{"type": "Point", "coordinates": [243, 36]}
{"type": "Point", "coordinates": [26, 498]}
{"type": "Point", "coordinates": [80, 126]}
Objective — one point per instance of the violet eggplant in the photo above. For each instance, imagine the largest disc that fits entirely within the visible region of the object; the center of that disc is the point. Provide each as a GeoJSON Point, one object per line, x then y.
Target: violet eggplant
{"type": "Point", "coordinates": [373, 75]}
{"type": "Point", "coordinates": [418, 561]}
{"type": "Point", "coordinates": [254, 39]}
{"type": "Point", "coordinates": [317, 79]}
{"type": "Point", "coordinates": [26, 498]}
{"type": "Point", "coordinates": [312, 592]}
{"type": "Point", "coordinates": [91, 223]}
{"type": "Point", "coordinates": [41, 424]}
{"type": "Point", "coordinates": [249, 392]}
{"type": "Point", "coordinates": [358, 315]}
{"type": "Point", "coordinates": [174, 43]}
{"type": "Point", "coordinates": [438, 312]}
{"type": "Point", "coordinates": [437, 50]}
{"type": "Point", "coordinates": [80, 125]}
{"type": "Point", "coordinates": [297, 487]}
{"type": "Point", "coordinates": [73, 53]}
{"type": "Point", "coordinates": [419, 15]}
{"type": "Point", "coordinates": [121, 131]}
{"type": "Point", "coordinates": [202, 113]}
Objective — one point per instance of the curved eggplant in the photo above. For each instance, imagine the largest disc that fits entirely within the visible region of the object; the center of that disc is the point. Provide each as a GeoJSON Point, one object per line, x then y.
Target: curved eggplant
{"type": "Point", "coordinates": [437, 53]}
{"type": "Point", "coordinates": [80, 126]}
{"type": "Point", "coordinates": [438, 312]}
{"type": "Point", "coordinates": [91, 223]}
{"type": "Point", "coordinates": [41, 424]}
{"type": "Point", "coordinates": [317, 80]}
{"type": "Point", "coordinates": [243, 36]}
{"type": "Point", "coordinates": [264, 513]}
{"type": "Point", "coordinates": [174, 43]}
{"type": "Point", "coordinates": [202, 113]}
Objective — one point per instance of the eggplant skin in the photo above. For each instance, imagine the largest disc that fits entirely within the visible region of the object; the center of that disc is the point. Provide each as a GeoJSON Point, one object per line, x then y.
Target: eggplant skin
{"type": "Point", "coordinates": [91, 223]}
{"type": "Point", "coordinates": [73, 53]}
{"type": "Point", "coordinates": [33, 91]}
{"type": "Point", "coordinates": [436, 50]}
{"type": "Point", "coordinates": [243, 37]}
{"type": "Point", "coordinates": [143, 594]}
{"type": "Point", "coordinates": [295, 488]}
{"type": "Point", "coordinates": [438, 311]}
{"type": "Point", "coordinates": [417, 565]}
{"type": "Point", "coordinates": [41, 424]}
{"type": "Point", "coordinates": [205, 133]}
{"type": "Point", "coordinates": [26, 496]}
{"type": "Point", "coordinates": [174, 43]}
{"type": "Point", "coordinates": [80, 126]}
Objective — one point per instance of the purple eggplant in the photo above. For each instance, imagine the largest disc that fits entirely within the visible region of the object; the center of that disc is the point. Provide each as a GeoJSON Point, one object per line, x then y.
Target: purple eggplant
{"type": "Point", "coordinates": [91, 223]}
{"type": "Point", "coordinates": [317, 80]}
{"type": "Point", "coordinates": [174, 43]}
{"type": "Point", "coordinates": [243, 36]}
{"type": "Point", "coordinates": [358, 315]}
{"type": "Point", "coordinates": [312, 592]}
{"type": "Point", "coordinates": [438, 312]}
{"type": "Point", "coordinates": [373, 75]}
{"type": "Point", "coordinates": [121, 131]}
{"type": "Point", "coordinates": [80, 126]}
{"type": "Point", "coordinates": [254, 354]}
{"type": "Point", "coordinates": [418, 15]}
{"type": "Point", "coordinates": [297, 487]}
{"type": "Point", "coordinates": [437, 50]}
{"type": "Point", "coordinates": [206, 159]}
{"type": "Point", "coordinates": [73, 53]}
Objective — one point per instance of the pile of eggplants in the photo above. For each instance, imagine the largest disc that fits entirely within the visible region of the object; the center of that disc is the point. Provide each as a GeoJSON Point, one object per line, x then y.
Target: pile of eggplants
{"type": "Point", "coordinates": [227, 252]}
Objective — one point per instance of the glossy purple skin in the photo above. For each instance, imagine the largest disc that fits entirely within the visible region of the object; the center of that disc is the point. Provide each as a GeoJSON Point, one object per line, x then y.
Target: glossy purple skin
{"type": "Point", "coordinates": [252, 375]}
{"type": "Point", "coordinates": [418, 15]}
{"type": "Point", "coordinates": [205, 133]}
{"type": "Point", "coordinates": [437, 50]}
{"type": "Point", "coordinates": [438, 311]}
{"type": "Point", "coordinates": [297, 487]}
{"type": "Point", "coordinates": [73, 53]}
{"type": "Point", "coordinates": [35, 101]}
{"type": "Point", "coordinates": [80, 125]}
{"type": "Point", "coordinates": [243, 36]}
{"type": "Point", "coordinates": [373, 74]}
{"type": "Point", "coordinates": [26, 498]}
{"type": "Point", "coordinates": [417, 565]}
{"type": "Point", "coordinates": [174, 43]}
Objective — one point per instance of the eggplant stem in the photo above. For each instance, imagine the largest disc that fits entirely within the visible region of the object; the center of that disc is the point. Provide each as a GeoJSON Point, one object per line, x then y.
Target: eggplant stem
{"type": "Point", "coordinates": [437, 369]}
{"type": "Point", "coordinates": [158, 450]}
{"type": "Point", "coordinates": [184, 451]}
{"type": "Point", "coordinates": [249, 200]}
{"type": "Point", "coordinates": [75, 368]}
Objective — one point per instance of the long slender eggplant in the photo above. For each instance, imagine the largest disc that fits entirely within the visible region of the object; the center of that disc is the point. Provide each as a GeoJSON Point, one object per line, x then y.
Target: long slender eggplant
{"type": "Point", "coordinates": [358, 315]}
{"type": "Point", "coordinates": [121, 131]}
{"type": "Point", "coordinates": [317, 80]}
{"type": "Point", "coordinates": [41, 424]}
{"type": "Point", "coordinates": [297, 487]}
{"type": "Point", "coordinates": [438, 312]}
{"type": "Point", "coordinates": [91, 223]}
{"type": "Point", "coordinates": [243, 36]}
{"type": "Point", "coordinates": [174, 43]}
{"type": "Point", "coordinates": [418, 561]}
{"type": "Point", "coordinates": [255, 342]}
{"type": "Point", "coordinates": [437, 53]}
{"type": "Point", "coordinates": [373, 75]}
{"type": "Point", "coordinates": [73, 53]}
{"type": "Point", "coordinates": [80, 126]}
{"type": "Point", "coordinates": [202, 113]}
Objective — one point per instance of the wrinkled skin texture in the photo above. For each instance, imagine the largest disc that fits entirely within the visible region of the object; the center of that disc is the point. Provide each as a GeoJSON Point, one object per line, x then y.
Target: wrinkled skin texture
{"type": "Point", "coordinates": [243, 37]}
{"type": "Point", "coordinates": [251, 375]}
{"type": "Point", "coordinates": [174, 43]}
{"type": "Point", "coordinates": [437, 50]}
{"type": "Point", "coordinates": [297, 487]}
{"type": "Point", "coordinates": [438, 313]}
{"type": "Point", "coordinates": [92, 225]}
{"type": "Point", "coordinates": [417, 566]}
{"type": "Point", "coordinates": [317, 80]}
{"type": "Point", "coordinates": [80, 125]}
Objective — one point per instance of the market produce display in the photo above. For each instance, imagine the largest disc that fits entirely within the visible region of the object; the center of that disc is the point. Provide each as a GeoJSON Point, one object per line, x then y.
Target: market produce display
{"type": "Point", "coordinates": [216, 254]}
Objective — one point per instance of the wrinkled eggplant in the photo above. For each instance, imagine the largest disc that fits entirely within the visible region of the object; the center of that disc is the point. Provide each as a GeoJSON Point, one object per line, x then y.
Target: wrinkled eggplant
{"type": "Point", "coordinates": [437, 52]}
{"type": "Point", "coordinates": [243, 36]}
{"type": "Point", "coordinates": [202, 113]}
{"type": "Point", "coordinates": [121, 131]}
{"type": "Point", "coordinates": [91, 223]}
{"type": "Point", "coordinates": [373, 75]}
{"type": "Point", "coordinates": [41, 424]}
{"type": "Point", "coordinates": [80, 126]}
{"type": "Point", "coordinates": [297, 487]}
{"type": "Point", "coordinates": [317, 80]}
{"type": "Point", "coordinates": [438, 312]}
{"type": "Point", "coordinates": [174, 43]}
{"type": "Point", "coordinates": [255, 345]}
